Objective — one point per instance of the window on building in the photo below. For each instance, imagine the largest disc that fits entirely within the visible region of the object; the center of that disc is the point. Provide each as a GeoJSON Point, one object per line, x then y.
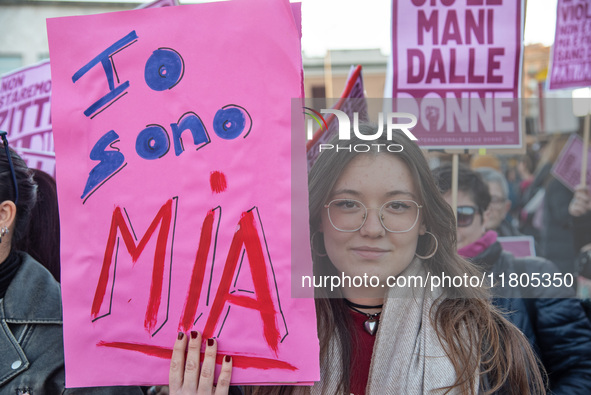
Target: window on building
{"type": "Point", "coordinates": [318, 96]}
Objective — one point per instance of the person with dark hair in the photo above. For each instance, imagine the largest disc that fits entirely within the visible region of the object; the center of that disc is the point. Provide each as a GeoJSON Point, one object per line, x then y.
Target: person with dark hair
{"type": "Point", "coordinates": [380, 214]}
{"type": "Point", "coordinates": [42, 241]}
{"type": "Point", "coordinates": [31, 343]}
{"type": "Point", "coordinates": [551, 318]}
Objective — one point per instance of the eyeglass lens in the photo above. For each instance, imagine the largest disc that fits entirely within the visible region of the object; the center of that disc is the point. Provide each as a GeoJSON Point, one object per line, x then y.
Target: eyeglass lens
{"type": "Point", "coordinates": [395, 215]}
{"type": "Point", "coordinates": [465, 215]}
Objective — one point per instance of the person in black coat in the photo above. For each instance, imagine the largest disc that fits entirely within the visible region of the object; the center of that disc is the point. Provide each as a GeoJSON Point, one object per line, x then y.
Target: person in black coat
{"type": "Point", "coordinates": [549, 316]}
{"type": "Point", "coordinates": [31, 334]}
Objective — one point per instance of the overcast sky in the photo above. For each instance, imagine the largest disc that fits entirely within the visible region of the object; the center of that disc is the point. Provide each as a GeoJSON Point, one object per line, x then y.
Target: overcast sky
{"type": "Point", "coordinates": [352, 25]}
{"type": "Point", "coordinates": [357, 24]}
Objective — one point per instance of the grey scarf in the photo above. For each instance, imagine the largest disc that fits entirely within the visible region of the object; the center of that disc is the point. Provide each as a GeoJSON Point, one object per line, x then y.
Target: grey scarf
{"type": "Point", "coordinates": [408, 357]}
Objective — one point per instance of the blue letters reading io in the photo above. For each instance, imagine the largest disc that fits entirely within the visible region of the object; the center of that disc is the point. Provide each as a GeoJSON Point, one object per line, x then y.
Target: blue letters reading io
{"type": "Point", "coordinates": [104, 58]}
{"type": "Point", "coordinates": [164, 69]}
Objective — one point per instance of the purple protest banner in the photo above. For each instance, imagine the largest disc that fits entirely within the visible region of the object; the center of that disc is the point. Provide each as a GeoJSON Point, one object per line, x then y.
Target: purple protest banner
{"type": "Point", "coordinates": [520, 246]}
{"type": "Point", "coordinates": [457, 66]}
{"type": "Point", "coordinates": [567, 168]}
{"type": "Point", "coordinates": [25, 99]}
{"type": "Point", "coordinates": [571, 54]}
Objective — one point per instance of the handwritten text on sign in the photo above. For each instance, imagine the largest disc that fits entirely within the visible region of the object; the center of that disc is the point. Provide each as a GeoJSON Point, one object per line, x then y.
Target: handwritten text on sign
{"type": "Point", "coordinates": [175, 169]}
{"type": "Point", "coordinates": [25, 100]}
{"type": "Point", "coordinates": [571, 60]}
{"type": "Point", "coordinates": [458, 54]}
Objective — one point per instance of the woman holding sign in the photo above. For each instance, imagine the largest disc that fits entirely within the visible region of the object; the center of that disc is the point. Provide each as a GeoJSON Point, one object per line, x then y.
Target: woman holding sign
{"type": "Point", "coordinates": [31, 340]}
{"type": "Point", "coordinates": [379, 224]}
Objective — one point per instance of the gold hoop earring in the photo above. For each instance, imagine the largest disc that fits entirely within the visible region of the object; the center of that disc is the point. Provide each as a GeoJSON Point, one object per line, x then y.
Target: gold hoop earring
{"type": "Point", "coordinates": [434, 251]}
{"type": "Point", "coordinates": [312, 244]}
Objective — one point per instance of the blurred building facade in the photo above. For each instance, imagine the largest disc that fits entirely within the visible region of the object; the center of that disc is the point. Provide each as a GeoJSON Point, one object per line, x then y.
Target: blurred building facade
{"type": "Point", "coordinates": [23, 35]}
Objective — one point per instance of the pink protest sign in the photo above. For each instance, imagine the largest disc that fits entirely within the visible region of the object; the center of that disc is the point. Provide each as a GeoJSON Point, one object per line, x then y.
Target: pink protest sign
{"type": "Point", "coordinates": [174, 173]}
{"type": "Point", "coordinates": [567, 168]}
{"type": "Point", "coordinates": [25, 101]}
{"type": "Point", "coordinates": [571, 53]}
{"type": "Point", "coordinates": [457, 67]}
{"type": "Point", "coordinates": [520, 246]}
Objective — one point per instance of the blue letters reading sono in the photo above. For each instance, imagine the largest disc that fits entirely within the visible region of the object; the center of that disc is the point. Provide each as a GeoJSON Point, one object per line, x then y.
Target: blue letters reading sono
{"type": "Point", "coordinates": [152, 142]}
{"type": "Point", "coordinates": [230, 121]}
{"type": "Point", "coordinates": [191, 122]}
{"type": "Point", "coordinates": [110, 161]}
{"type": "Point", "coordinates": [163, 70]}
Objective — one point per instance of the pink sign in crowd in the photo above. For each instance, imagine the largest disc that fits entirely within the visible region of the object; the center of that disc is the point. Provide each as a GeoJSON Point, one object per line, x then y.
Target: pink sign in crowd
{"type": "Point", "coordinates": [177, 217]}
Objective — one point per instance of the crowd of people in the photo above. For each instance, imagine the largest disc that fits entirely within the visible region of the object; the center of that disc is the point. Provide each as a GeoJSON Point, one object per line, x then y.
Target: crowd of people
{"type": "Point", "coordinates": [528, 199]}
{"type": "Point", "coordinates": [377, 213]}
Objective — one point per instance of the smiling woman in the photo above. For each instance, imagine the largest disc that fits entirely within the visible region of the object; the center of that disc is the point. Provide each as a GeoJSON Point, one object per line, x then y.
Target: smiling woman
{"type": "Point", "coordinates": [378, 242]}
{"type": "Point", "coordinates": [379, 215]}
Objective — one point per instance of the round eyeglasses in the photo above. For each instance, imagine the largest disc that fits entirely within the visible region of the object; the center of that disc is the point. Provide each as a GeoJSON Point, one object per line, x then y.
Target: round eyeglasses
{"type": "Point", "coordinates": [396, 216]}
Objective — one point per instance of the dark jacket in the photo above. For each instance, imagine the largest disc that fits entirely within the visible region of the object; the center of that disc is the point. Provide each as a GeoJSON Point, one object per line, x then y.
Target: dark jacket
{"type": "Point", "coordinates": [506, 229]}
{"type": "Point", "coordinates": [556, 236]}
{"type": "Point", "coordinates": [582, 231]}
{"type": "Point", "coordinates": [551, 318]}
{"type": "Point", "coordinates": [31, 343]}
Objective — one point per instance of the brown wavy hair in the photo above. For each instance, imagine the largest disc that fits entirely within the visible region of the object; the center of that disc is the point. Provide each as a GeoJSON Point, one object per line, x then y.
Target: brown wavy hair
{"type": "Point", "coordinates": [475, 335]}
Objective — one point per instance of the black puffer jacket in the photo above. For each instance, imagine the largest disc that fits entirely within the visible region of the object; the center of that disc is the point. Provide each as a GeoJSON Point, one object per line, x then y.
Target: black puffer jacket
{"type": "Point", "coordinates": [550, 317]}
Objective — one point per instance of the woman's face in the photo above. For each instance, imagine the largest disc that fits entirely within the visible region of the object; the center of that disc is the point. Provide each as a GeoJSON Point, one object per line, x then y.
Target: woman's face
{"type": "Point", "coordinates": [372, 180]}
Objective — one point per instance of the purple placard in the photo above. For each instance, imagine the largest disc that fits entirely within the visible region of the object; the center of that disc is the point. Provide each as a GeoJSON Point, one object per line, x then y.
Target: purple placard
{"type": "Point", "coordinates": [457, 67]}
{"type": "Point", "coordinates": [567, 168]}
{"type": "Point", "coordinates": [352, 100]}
{"type": "Point", "coordinates": [571, 55]}
{"type": "Point", "coordinates": [25, 100]}
{"type": "Point", "coordinates": [520, 246]}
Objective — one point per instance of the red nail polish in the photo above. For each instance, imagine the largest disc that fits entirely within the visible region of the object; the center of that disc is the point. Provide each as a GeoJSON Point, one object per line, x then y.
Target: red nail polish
{"type": "Point", "coordinates": [210, 342]}
{"type": "Point", "coordinates": [180, 336]}
{"type": "Point", "coordinates": [194, 334]}
{"type": "Point", "coordinates": [228, 358]}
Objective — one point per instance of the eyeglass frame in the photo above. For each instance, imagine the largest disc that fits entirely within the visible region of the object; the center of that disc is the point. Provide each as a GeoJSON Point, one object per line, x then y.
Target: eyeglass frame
{"type": "Point", "coordinates": [419, 207]}
{"type": "Point", "coordinates": [10, 165]}
{"type": "Point", "coordinates": [494, 199]}
{"type": "Point", "coordinates": [476, 210]}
